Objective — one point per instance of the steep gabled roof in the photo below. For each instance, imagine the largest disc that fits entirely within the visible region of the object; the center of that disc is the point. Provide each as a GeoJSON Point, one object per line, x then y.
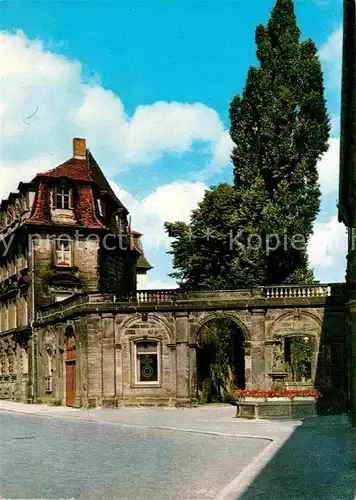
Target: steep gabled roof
{"type": "Point", "coordinates": [76, 169]}
{"type": "Point", "coordinates": [83, 169]}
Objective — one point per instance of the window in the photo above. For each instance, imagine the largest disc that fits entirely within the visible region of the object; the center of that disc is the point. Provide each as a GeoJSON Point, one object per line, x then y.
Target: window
{"type": "Point", "coordinates": [62, 197]}
{"type": "Point", "coordinates": [147, 362]}
{"type": "Point", "coordinates": [63, 252]}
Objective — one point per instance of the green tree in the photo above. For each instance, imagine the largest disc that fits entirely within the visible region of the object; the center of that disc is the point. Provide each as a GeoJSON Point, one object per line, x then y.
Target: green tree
{"type": "Point", "coordinates": [280, 129]}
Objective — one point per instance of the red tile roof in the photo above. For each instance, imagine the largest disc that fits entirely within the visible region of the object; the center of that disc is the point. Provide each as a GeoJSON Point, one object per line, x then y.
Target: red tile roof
{"type": "Point", "coordinates": [85, 207]}
{"type": "Point", "coordinates": [41, 212]}
{"type": "Point", "coordinates": [74, 168]}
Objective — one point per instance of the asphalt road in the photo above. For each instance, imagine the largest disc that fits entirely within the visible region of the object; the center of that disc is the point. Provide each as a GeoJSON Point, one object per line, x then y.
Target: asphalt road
{"type": "Point", "coordinates": [63, 458]}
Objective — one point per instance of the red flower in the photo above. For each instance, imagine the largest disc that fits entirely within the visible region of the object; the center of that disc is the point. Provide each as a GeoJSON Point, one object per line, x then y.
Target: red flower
{"type": "Point", "coordinates": [240, 393]}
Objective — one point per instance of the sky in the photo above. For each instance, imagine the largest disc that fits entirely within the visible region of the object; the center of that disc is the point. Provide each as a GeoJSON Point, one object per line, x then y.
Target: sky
{"type": "Point", "coordinates": [148, 83]}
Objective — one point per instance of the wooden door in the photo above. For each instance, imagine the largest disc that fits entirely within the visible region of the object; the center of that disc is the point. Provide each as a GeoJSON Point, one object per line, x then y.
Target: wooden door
{"type": "Point", "coordinates": [70, 383]}
{"type": "Point", "coordinates": [70, 370]}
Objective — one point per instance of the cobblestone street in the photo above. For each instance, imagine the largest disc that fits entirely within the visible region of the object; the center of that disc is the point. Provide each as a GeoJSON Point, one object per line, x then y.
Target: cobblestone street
{"type": "Point", "coordinates": [170, 453]}
{"type": "Point", "coordinates": [57, 458]}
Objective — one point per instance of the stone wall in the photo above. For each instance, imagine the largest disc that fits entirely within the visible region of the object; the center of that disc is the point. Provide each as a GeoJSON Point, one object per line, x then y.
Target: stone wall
{"type": "Point", "coordinates": [108, 335]}
{"type": "Point", "coordinates": [14, 366]}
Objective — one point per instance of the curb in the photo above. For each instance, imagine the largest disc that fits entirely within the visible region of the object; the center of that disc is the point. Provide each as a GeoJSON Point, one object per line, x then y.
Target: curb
{"type": "Point", "coordinates": [138, 426]}
{"type": "Point", "coordinates": [242, 481]}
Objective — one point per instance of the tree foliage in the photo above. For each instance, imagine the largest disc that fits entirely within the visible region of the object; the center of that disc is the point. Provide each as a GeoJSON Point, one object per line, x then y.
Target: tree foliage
{"type": "Point", "coordinates": [280, 129]}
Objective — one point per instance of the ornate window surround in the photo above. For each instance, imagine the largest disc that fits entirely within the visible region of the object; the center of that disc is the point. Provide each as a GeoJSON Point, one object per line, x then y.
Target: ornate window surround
{"type": "Point", "coordinates": [135, 382]}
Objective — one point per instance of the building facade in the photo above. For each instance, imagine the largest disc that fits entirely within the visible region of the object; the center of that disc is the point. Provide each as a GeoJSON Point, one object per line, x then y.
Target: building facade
{"type": "Point", "coordinates": [63, 233]}
{"type": "Point", "coordinates": [96, 350]}
{"type": "Point", "coordinates": [76, 331]}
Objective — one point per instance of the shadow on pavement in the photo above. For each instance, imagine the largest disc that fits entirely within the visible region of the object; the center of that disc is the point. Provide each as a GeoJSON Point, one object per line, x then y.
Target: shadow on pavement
{"type": "Point", "coordinates": [317, 462]}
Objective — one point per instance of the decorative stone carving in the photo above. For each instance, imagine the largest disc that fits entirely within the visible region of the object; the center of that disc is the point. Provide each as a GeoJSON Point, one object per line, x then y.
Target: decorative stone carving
{"type": "Point", "coordinates": [278, 355]}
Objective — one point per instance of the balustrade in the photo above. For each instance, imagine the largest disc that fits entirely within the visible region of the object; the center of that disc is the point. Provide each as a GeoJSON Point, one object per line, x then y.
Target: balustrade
{"type": "Point", "coordinates": [155, 296]}
{"type": "Point", "coordinates": [296, 291]}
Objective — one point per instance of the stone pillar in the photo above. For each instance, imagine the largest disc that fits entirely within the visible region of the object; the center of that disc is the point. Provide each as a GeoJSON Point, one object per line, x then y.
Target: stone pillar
{"type": "Point", "coordinates": [193, 371]}
{"type": "Point", "coordinates": [119, 382]}
{"type": "Point", "coordinates": [182, 363]}
{"type": "Point", "coordinates": [257, 346]}
{"type": "Point", "coordinates": [95, 387]}
{"type": "Point", "coordinates": [173, 372]}
{"type": "Point", "coordinates": [32, 368]}
{"type": "Point", "coordinates": [108, 360]}
{"type": "Point", "coordinates": [182, 358]}
{"type": "Point", "coordinates": [248, 365]}
{"type": "Point", "coordinates": [80, 330]}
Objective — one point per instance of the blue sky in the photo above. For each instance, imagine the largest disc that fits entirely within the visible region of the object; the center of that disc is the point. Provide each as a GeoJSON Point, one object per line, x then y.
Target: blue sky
{"type": "Point", "coordinates": [149, 84]}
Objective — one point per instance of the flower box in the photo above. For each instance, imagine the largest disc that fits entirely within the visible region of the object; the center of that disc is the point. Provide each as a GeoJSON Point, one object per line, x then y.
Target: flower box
{"type": "Point", "coordinates": [277, 398]}
{"type": "Point", "coordinates": [276, 404]}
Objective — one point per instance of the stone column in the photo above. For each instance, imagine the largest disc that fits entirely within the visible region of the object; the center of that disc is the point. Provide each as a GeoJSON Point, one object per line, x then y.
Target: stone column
{"type": "Point", "coordinates": [173, 372]}
{"type": "Point", "coordinates": [95, 387]}
{"type": "Point", "coordinates": [193, 371]}
{"type": "Point", "coordinates": [257, 346]}
{"type": "Point", "coordinates": [119, 383]}
{"type": "Point", "coordinates": [108, 360]}
{"type": "Point", "coordinates": [81, 362]}
{"type": "Point", "coordinates": [182, 358]}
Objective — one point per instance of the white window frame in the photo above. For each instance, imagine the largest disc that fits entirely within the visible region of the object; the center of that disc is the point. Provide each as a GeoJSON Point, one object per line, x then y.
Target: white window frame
{"type": "Point", "coordinates": [61, 253]}
{"type": "Point", "coordinates": [62, 197]}
{"type": "Point", "coordinates": [157, 351]}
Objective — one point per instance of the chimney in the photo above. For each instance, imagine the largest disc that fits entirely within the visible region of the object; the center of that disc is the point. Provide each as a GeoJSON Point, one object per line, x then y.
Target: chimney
{"type": "Point", "coordinates": [79, 148]}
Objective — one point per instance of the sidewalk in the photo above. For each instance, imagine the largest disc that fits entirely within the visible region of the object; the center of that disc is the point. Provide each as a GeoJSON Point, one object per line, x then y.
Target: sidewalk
{"type": "Point", "coordinates": [218, 419]}
{"type": "Point", "coordinates": [314, 459]}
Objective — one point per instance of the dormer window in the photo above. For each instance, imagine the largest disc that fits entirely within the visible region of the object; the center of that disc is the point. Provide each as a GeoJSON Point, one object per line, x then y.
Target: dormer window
{"type": "Point", "coordinates": [62, 197]}
{"type": "Point", "coordinates": [63, 253]}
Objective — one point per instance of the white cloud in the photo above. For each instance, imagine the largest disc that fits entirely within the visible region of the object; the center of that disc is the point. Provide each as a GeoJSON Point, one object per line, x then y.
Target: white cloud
{"type": "Point", "coordinates": [328, 244]}
{"type": "Point", "coordinates": [168, 203]}
{"type": "Point", "coordinates": [46, 101]}
{"type": "Point", "coordinates": [171, 127]}
{"type": "Point", "coordinates": [328, 167]}
{"type": "Point", "coordinates": [160, 285]}
{"type": "Point", "coordinates": [331, 56]}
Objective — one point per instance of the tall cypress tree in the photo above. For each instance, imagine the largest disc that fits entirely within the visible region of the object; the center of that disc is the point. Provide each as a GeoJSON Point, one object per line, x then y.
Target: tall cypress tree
{"type": "Point", "coordinates": [280, 129]}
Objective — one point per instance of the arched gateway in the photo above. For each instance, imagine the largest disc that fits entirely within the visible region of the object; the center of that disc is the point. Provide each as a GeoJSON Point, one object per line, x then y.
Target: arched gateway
{"type": "Point", "coordinates": [220, 360]}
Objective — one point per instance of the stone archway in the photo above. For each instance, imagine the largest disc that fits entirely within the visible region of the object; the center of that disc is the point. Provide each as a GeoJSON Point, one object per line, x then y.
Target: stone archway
{"type": "Point", "coordinates": [220, 357]}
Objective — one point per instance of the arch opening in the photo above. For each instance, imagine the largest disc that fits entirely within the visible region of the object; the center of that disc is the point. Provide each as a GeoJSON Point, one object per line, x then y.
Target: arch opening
{"type": "Point", "coordinates": [298, 358]}
{"type": "Point", "coordinates": [220, 360]}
